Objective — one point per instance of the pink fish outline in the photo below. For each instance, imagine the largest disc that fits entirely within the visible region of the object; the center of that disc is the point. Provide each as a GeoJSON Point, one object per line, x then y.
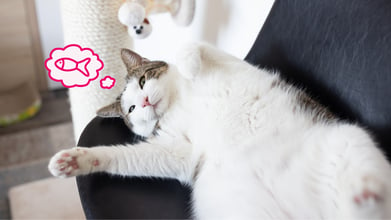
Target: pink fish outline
{"type": "Point", "coordinates": [61, 65]}
{"type": "Point", "coordinates": [104, 79]}
{"type": "Point", "coordinates": [81, 49]}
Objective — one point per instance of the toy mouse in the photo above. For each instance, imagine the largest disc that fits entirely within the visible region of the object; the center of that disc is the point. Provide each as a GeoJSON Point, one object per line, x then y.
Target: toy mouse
{"type": "Point", "coordinates": [134, 14]}
{"type": "Point", "coordinates": [141, 30]}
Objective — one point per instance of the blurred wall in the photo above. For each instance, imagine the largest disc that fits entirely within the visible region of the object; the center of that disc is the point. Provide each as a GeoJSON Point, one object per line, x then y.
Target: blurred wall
{"type": "Point", "coordinates": [50, 29]}
{"type": "Point", "coordinates": [231, 25]}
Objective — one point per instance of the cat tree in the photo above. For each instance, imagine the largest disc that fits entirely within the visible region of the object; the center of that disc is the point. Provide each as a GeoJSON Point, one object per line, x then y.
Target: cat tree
{"type": "Point", "coordinates": [94, 24]}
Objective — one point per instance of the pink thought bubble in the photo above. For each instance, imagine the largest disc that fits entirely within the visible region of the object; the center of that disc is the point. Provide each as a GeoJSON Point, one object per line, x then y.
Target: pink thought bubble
{"type": "Point", "coordinates": [73, 65]}
{"type": "Point", "coordinates": [107, 82]}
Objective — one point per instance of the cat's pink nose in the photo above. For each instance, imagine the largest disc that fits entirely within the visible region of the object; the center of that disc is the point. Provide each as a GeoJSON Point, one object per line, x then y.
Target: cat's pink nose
{"type": "Point", "coordinates": [145, 102]}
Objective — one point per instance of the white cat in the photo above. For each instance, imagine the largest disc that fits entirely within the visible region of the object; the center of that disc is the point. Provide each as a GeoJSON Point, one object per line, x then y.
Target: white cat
{"type": "Point", "coordinates": [250, 145]}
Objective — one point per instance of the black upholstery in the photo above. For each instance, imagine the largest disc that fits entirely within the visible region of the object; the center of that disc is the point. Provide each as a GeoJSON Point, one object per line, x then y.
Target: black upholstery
{"type": "Point", "coordinates": [340, 50]}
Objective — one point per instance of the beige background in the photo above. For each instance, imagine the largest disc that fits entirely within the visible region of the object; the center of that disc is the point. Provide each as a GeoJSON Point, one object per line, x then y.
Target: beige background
{"type": "Point", "coordinates": [20, 49]}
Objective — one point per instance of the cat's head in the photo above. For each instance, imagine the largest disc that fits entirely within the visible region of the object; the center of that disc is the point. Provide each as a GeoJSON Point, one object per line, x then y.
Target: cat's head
{"type": "Point", "coordinates": [147, 94]}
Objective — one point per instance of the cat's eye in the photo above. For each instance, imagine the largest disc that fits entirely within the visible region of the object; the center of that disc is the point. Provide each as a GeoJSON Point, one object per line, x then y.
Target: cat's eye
{"type": "Point", "coordinates": [142, 82]}
{"type": "Point", "coordinates": [131, 108]}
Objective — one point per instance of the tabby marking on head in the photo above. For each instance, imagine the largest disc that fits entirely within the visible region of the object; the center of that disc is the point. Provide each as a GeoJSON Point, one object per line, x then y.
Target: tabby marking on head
{"type": "Point", "coordinates": [138, 66]}
{"type": "Point", "coordinates": [139, 69]}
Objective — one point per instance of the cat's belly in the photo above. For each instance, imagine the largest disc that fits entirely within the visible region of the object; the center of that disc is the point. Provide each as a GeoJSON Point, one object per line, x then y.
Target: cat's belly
{"type": "Point", "coordinates": [233, 191]}
{"type": "Point", "coordinates": [234, 120]}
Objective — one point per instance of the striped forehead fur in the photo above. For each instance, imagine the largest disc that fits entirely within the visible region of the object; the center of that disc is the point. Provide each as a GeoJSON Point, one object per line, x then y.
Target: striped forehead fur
{"type": "Point", "coordinates": [150, 69]}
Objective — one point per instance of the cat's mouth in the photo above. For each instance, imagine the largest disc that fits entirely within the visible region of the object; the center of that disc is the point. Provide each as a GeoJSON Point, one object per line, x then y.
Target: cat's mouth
{"type": "Point", "coordinates": [154, 109]}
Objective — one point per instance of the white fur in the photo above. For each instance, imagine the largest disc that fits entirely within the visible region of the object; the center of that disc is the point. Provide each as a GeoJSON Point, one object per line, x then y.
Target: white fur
{"type": "Point", "coordinates": [248, 149]}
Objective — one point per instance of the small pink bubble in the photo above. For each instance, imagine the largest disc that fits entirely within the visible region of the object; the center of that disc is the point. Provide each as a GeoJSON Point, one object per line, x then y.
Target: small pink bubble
{"type": "Point", "coordinates": [107, 82]}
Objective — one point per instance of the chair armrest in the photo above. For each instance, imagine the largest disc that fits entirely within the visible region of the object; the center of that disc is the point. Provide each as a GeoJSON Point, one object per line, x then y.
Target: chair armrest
{"type": "Point", "coordinates": [105, 196]}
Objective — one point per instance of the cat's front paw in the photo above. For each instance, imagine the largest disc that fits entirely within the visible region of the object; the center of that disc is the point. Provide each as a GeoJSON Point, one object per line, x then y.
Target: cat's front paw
{"type": "Point", "coordinates": [72, 162]}
{"type": "Point", "coordinates": [190, 60]}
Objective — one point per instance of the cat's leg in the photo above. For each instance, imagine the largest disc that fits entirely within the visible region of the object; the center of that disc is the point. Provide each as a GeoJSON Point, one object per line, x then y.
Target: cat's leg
{"type": "Point", "coordinates": [189, 61]}
{"type": "Point", "coordinates": [199, 58]}
{"type": "Point", "coordinates": [144, 159]}
{"type": "Point", "coordinates": [363, 174]}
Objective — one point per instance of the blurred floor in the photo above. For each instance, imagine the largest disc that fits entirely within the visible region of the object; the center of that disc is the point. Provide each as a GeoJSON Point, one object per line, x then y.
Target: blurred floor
{"type": "Point", "coordinates": [55, 109]}
{"type": "Point", "coordinates": [25, 148]}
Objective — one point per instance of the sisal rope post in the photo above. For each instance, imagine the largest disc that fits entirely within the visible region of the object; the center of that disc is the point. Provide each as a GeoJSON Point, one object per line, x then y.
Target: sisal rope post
{"type": "Point", "coordinates": [94, 24]}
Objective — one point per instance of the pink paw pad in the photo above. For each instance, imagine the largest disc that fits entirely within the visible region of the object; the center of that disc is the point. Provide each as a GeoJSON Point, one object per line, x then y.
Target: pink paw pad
{"type": "Point", "coordinates": [72, 163]}
{"type": "Point", "coordinates": [65, 155]}
{"type": "Point", "coordinates": [365, 196]}
{"type": "Point", "coordinates": [82, 151]}
{"type": "Point", "coordinates": [95, 163]}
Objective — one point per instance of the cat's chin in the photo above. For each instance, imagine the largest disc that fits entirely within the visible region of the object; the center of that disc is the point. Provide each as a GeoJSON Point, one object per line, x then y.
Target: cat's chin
{"type": "Point", "coordinates": [150, 114]}
{"type": "Point", "coordinates": [145, 128]}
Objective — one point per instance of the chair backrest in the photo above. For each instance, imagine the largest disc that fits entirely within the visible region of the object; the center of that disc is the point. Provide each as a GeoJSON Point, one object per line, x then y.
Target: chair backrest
{"type": "Point", "coordinates": [340, 51]}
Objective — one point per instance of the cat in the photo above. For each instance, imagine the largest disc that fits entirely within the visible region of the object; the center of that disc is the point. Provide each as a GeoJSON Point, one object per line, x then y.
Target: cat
{"type": "Point", "coordinates": [249, 144]}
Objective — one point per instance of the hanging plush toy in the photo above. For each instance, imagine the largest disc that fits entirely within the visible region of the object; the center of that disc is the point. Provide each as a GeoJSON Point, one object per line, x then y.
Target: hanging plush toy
{"type": "Point", "coordinates": [134, 14]}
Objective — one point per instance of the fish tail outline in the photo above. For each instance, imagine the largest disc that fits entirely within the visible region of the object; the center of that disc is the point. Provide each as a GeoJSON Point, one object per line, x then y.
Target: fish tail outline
{"type": "Point", "coordinates": [83, 63]}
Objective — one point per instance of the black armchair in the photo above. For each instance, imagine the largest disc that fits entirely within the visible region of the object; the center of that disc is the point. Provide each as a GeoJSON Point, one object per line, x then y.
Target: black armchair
{"type": "Point", "coordinates": [340, 50]}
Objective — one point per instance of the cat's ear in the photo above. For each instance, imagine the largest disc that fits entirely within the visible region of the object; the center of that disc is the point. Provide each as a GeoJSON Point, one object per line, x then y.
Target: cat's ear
{"type": "Point", "coordinates": [131, 59]}
{"type": "Point", "coordinates": [110, 111]}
